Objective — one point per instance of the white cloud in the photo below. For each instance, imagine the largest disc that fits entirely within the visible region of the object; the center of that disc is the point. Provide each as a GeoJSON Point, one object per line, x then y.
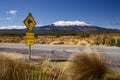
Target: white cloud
{"type": "Point", "coordinates": [12, 27]}
{"type": "Point", "coordinates": [11, 15]}
{"type": "Point", "coordinates": [71, 23]}
{"type": "Point", "coordinates": [12, 12]}
{"type": "Point", "coordinates": [8, 18]}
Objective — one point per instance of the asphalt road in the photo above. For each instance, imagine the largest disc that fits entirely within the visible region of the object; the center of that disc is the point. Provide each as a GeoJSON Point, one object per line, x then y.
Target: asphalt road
{"type": "Point", "coordinates": [63, 52]}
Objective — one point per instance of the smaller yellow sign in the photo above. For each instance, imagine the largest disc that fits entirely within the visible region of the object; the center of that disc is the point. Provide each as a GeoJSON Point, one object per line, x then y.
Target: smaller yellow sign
{"type": "Point", "coordinates": [29, 38]}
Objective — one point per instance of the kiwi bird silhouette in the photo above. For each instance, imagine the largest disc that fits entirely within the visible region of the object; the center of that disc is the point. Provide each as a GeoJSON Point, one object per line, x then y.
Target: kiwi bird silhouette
{"type": "Point", "coordinates": [29, 22]}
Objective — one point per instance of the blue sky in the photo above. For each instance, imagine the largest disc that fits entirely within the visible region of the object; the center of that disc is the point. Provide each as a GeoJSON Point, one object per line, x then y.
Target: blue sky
{"type": "Point", "coordinates": [105, 13]}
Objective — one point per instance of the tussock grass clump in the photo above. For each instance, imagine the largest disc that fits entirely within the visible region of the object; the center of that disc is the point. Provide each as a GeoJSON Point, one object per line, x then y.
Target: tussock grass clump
{"type": "Point", "coordinates": [13, 69]}
{"type": "Point", "coordinates": [87, 66]}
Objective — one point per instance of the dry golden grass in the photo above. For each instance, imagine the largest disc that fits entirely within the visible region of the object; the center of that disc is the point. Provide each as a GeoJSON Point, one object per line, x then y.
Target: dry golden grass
{"type": "Point", "coordinates": [111, 39]}
{"type": "Point", "coordinates": [12, 55]}
{"type": "Point", "coordinates": [112, 75]}
{"type": "Point", "coordinates": [82, 66]}
{"type": "Point", "coordinates": [14, 69]}
{"type": "Point", "coordinates": [87, 66]}
{"type": "Point", "coordinates": [92, 39]}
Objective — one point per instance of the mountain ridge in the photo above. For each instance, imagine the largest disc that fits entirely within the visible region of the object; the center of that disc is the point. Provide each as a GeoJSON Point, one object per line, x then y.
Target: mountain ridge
{"type": "Point", "coordinates": [64, 27]}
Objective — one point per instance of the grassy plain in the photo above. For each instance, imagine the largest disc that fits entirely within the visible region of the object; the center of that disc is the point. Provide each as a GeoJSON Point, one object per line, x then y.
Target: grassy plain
{"type": "Point", "coordinates": [111, 39]}
{"type": "Point", "coordinates": [81, 66]}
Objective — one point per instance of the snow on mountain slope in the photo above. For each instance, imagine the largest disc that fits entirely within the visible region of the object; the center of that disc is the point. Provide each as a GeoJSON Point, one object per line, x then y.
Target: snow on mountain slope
{"type": "Point", "coordinates": [58, 23]}
{"type": "Point", "coordinates": [71, 23]}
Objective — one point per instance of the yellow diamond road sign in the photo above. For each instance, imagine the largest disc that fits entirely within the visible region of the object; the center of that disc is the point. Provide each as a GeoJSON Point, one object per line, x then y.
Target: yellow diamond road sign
{"type": "Point", "coordinates": [29, 22]}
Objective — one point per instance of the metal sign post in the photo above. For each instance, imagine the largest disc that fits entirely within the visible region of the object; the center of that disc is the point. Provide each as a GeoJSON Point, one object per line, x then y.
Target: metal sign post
{"type": "Point", "coordinates": [30, 24]}
{"type": "Point", "coordinates": [29, 52]}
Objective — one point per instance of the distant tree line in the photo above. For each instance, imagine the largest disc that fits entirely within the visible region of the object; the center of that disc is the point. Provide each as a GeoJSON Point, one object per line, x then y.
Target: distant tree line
{"type": "Point", "coordinates": [12, 34]}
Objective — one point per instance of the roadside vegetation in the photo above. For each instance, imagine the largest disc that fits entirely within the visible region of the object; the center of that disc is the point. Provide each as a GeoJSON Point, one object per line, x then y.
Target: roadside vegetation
{"type": "Point", "coordinates": [80, 66]}
{"type": "Point", "coordinates": [110, 39]}
{"type": "Point", "coordinates": [18, 69]}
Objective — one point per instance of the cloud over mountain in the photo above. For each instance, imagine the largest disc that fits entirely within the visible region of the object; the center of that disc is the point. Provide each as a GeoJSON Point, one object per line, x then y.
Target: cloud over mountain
{"type": "Point", "coordinates": [12, 27]}
{"type": "Point", "coordinates": [71, 23]}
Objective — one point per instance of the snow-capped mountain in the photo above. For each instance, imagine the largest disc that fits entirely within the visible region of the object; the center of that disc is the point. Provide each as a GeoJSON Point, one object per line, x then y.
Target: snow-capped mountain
{"type": "Point", "coordinates": [71, 23]}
